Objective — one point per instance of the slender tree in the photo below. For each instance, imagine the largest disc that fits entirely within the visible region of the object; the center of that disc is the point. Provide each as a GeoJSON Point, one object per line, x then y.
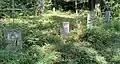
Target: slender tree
{"type": "Point", "coordinates": [92, 4]}
{"type": "Point", "coordinates": [90, 13]}
{"type": "Point", "coordinates": [76, 6]}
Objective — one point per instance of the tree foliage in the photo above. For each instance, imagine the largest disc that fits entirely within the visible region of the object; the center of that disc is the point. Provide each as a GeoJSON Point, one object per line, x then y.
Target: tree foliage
{"type": "Point", "coordinates": [42, 43]}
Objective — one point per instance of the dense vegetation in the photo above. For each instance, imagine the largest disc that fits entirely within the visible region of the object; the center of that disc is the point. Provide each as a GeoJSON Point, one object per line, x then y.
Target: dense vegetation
{"type": "Point", "coordinates": [42, 43]}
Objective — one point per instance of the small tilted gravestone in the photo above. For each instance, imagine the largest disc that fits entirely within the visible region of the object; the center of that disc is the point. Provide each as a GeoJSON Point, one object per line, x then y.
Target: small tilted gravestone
{"type": "Point", "coordinates": [13, 40]}
{"type": "Point", "coordinates": [64, 29]}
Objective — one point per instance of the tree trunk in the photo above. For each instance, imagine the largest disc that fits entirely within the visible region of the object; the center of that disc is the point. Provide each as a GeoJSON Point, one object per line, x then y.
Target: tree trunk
{"type": "Point", "coordinates": [76, 8]}
{"type": "Point", "coordinates": [36, 7]}
{"type": "Point", "coordinates": [89, 19]}
{"type": "Point", "coordinates": [90, 13]}
{"type": "Point", "coordinates": [55, 6]}
{"type": "Point", "coordinates": [97, 7]}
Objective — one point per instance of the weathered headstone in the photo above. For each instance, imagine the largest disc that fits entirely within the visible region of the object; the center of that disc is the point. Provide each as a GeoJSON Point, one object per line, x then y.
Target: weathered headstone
{"type": "Point", "coordinates": [41, 4]}
{"type": "Point", "coordinates": [64, 29]}
{"type": "Point", "coordinates": [107, 15]}
{"type": "Point", "coordinates": [13, 40]}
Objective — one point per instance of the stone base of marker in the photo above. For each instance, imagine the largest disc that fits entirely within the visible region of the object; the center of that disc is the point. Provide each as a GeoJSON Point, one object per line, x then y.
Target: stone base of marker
{"type": "Point", "coordinates": [13, 40]}
{"type": "Point", "coordinates": [64, 29]}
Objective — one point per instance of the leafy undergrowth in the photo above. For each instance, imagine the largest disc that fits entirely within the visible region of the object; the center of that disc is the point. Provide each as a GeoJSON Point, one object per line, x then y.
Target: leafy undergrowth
{"type": "Point", "coordinates": [42, 43]}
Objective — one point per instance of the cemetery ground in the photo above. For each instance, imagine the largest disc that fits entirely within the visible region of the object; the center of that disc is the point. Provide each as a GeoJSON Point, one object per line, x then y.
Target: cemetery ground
{"type": "Point", "coordinates": [42, 42]}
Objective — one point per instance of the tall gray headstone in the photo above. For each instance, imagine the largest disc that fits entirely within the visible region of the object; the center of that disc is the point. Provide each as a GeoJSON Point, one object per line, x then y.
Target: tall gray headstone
{"type": "Point", "coordinates": [64, 29]}
{"type": "Point", "coordinates": [13, 40]}
{"type": "Point", "coordinates": [107, 15]}
{"type": "Point", "coordinates": [41, 4]}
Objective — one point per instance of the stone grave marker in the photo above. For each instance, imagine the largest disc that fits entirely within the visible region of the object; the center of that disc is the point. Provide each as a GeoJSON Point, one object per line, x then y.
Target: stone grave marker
{"type": "Point", "coordinates": [13, 40]}
{"type": "Point", "coordinates": [107, 15]}
{"type": "Point", "coordinates": [64, 30]}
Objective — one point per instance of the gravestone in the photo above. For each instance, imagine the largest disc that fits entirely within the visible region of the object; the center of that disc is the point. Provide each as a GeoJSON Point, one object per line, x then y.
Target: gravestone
{"type": "Point", "coordinates": [64, 29]}
{"type": "Point", "coordinates": [107, 15]}
{"type": "Point", "coordinates": [41, 4]}
{"type": "Point", "coordinates": [13, 40]}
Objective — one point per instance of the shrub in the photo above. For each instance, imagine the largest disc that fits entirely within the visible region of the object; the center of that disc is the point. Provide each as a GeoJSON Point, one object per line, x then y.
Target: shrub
{"type": "Point", "coordinates": [104, 40]}
{"type": "Point", "coordinates": [43, 55]}
{"type": "Point", "coordinates": [7, 57]}
{"type": "Point", "coordinates": [80, 53]}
